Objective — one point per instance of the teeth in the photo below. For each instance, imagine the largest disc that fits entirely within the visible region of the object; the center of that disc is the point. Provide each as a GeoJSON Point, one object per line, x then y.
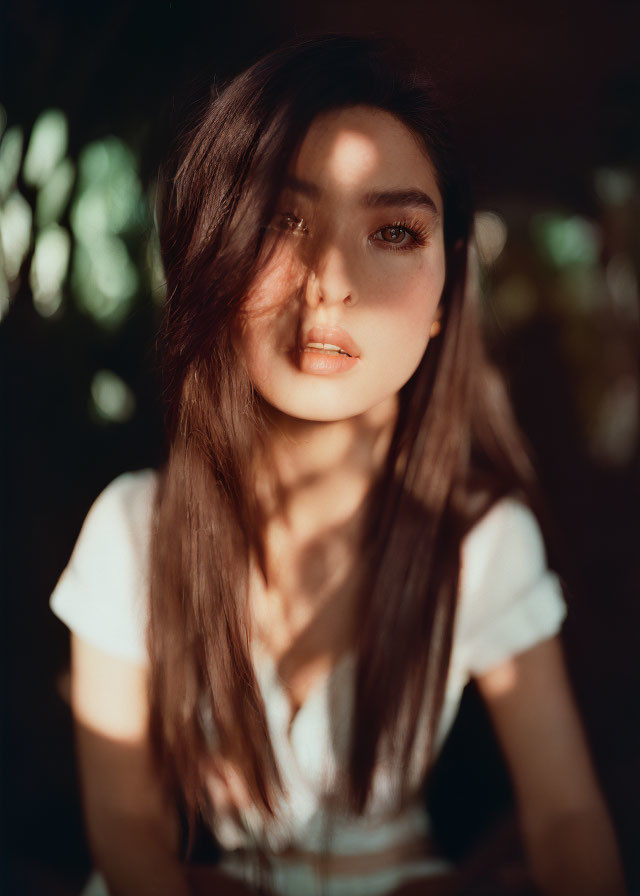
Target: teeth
{"type": "Point", "coordinates": [327, 347]}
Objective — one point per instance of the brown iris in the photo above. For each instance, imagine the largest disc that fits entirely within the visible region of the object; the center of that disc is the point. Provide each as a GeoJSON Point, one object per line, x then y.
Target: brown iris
{"type": "Point", "coordinates": [393, 234]}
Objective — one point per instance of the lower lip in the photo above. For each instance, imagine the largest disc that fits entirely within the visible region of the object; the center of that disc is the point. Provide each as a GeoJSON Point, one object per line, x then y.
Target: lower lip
{"type": "Point", "coordinates": [324, 363]}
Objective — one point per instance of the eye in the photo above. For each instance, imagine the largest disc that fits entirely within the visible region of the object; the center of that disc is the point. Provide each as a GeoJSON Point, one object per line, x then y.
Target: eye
{"type": "Point", "coordinates": [291, 223]}
{"type": "Point", "coordinates": [400, 236]}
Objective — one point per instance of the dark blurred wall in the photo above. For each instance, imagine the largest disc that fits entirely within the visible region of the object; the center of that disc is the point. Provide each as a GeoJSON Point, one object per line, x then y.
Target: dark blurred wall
{"type": "Point", "coordinates": [545, 99]}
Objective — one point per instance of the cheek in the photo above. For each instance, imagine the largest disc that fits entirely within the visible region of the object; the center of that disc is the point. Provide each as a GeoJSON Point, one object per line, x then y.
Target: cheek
{"type": "Point", "coordinates": [254, 359]}
{"type": "Point", "coordinates": [252, 336]}
{"type": "Point", "coordinates": [269, 318]}
{"type": "Point", "coordinates": [279, 281]}
{"type": "Point", "coordinates": [270, 291]}
{"type": "Point", "coordinates": [406, 306]}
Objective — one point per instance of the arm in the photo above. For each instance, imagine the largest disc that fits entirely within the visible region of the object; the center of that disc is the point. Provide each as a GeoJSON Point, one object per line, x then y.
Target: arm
{"type": "Point", "coordinates": [132, 829]}
{"type": "Point", "coordinates": [567, 832]}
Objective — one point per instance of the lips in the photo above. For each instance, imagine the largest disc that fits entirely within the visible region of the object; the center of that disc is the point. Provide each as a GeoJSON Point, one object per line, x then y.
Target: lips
{"type": "Point", "coordinates": [329, 339]}
{"type": "Point", "coordinates": [325, 351]}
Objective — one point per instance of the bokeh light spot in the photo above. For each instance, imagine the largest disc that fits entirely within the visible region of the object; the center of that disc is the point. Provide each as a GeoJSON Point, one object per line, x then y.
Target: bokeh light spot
{"type": "Point", "coordinates": [10, 159]}
{"type": "Point", "coordinates": [94, 164]}
{"type": "Point", "coordinates": [618, 426]}
{"type": "Point", "coordinates": [622, 283]}
{"type": "Point", "coordinates": [53, 197]}
{"type": "Point", "coordinates": [614, 186]}
{"type": "Point", "coordinates": [490, 231]}
{"type": "Point", "coordinates": [564, 240]}
{"type": "Point", "coordinates": [155, 270]}
{"type": "Point", "coordinates": [47, 147]}
{"type": "Point", "coordinates": [15, 233]}
{"type": "Point", "coordinates": [104, 279]}
{"type": "Point", "coordinates": [109, 190]}
{"type": "Point", "coordinates": [108, 206]}
{"type": "Point", "coordinates": [89, 216]}
{"type": "Point", "coordinates": [49, 268]}
{"type": "Point", "coordinates": [111, 399]}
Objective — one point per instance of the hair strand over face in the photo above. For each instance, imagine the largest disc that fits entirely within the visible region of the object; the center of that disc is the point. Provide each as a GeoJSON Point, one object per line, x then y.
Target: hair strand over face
{"type": "Point", "coordinates": [455, 449]}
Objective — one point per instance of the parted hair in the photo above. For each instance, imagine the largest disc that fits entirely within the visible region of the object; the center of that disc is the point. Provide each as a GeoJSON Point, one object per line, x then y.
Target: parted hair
{"type": "Point", "coordinates": [454, 451]}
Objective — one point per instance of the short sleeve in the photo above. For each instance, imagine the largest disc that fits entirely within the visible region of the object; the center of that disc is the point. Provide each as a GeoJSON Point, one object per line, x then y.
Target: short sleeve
{"type": "Point", "coordinates": [102, 594]}
{"type": "Point", "coordinates": [509, 599]}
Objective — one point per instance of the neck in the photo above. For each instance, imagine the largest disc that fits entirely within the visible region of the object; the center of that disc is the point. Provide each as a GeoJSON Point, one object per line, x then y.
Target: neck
{"type": "Point", "coordinates": [324, 470]}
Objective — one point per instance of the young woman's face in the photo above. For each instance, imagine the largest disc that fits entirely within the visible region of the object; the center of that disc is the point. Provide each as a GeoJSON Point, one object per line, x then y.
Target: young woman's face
{"type": "Point", "coordinates": [339, 318]}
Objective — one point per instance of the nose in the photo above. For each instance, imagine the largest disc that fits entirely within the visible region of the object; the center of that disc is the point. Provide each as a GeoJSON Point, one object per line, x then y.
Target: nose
{"type": "Point", "coordinates": [329, 282]}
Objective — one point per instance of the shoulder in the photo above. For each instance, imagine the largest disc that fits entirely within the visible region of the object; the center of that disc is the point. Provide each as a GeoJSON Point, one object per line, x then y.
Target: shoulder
{"type": "Point", "coordinates": [102, 593]}
{"type": "Point", "coordinates": [506, 541]}
{"type": "Point", "coordinates": [508, 598]}
{"type": "Point", "coordinates": [115, 535]}
{"type": "Point", "coordinates": [125, 505]}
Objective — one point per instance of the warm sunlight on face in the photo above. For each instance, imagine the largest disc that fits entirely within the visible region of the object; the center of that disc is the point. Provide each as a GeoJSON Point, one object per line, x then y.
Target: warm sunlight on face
{"type": "Point", "coordinates": [339, 319]}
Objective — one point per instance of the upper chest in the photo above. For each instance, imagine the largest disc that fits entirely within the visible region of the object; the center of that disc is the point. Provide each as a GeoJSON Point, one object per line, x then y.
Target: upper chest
{"type": "Point", "coordinates": [303, 621]}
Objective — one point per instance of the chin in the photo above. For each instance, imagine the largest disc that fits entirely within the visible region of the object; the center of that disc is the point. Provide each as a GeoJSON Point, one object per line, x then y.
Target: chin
{"type": "Point", "coordinates": [315, 408]}
{"type": "Point", "coordinates": [312, 414]}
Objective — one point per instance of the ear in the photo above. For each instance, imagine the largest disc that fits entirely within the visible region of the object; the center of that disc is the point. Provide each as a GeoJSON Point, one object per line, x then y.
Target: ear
{"type": "Point", "coordinates": [436, 326]}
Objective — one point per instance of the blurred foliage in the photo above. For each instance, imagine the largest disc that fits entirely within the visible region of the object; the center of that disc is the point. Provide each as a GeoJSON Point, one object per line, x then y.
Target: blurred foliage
{"type": "Point", "coordinates": [578, 277]}
{"type": "Point", "coordinates": [78, 230]}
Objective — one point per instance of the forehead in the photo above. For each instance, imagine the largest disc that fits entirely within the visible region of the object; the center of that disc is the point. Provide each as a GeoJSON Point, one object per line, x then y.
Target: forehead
{"type": "Point", "coordinates": [362, 148]}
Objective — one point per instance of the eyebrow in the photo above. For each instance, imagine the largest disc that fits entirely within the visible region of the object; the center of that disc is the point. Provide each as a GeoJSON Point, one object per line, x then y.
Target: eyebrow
{"type": "Point", "coordinates": [374, 198]}
{"type": "Point", "coordinates": [413, 197]}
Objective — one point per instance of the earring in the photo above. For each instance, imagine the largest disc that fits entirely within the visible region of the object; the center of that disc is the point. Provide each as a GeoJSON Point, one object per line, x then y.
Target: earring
{"type": "Point", "coordinates": [435, 328]}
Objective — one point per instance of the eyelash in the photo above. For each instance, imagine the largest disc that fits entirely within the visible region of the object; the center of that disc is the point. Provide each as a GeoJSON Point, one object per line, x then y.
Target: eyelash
{"type": "Point", "coordinates": [415, 229]}
{"type": "Point", "coordinates": [418, 233]}
{"type": "Point", "coordinates": [291, 218]}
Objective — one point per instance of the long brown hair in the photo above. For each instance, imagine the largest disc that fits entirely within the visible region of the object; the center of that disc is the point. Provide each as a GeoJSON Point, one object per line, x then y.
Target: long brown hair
{"type": "Point", "coordinates": [455, 447]}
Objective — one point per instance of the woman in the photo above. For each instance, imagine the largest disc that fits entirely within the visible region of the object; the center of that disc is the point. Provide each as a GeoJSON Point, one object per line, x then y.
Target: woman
{"type": "Point", "coordinates": [275, 630]}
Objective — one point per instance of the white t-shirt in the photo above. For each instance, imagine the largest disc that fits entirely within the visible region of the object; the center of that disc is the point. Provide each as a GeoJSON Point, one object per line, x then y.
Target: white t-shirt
{"type": "Point", "coordinates": [508, 601]}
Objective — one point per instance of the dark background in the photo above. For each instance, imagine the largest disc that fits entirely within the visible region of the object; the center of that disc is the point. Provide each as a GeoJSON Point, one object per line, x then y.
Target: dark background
{"type": "Point", "coordinates": [545, 100]}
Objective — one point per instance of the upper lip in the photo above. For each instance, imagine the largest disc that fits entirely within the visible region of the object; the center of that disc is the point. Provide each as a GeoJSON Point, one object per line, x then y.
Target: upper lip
{"type": "Point", "coordinates": [332, 336]}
